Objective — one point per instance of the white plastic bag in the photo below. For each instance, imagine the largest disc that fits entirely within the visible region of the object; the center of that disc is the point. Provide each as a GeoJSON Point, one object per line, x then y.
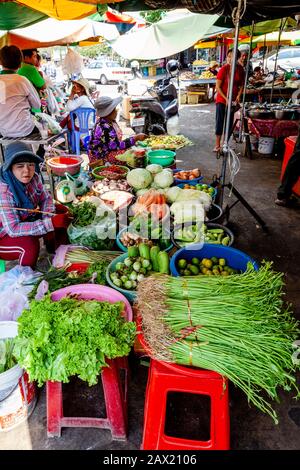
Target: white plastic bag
{"type": "Point", "coordinates": [15, 285]}
{"type": "Point", "coordinates": [50, 121]}
{"type": "Point", "coordinates": [73, 63]}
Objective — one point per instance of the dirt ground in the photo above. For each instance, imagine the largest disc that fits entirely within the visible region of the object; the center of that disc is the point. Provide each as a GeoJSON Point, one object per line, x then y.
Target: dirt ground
{"type": "Point", "coordinates": [257, 181]}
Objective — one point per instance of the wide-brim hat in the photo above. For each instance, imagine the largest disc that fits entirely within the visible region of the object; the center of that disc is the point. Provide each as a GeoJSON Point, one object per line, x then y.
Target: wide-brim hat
{"type": "Point", "coordinates": [105, 105]}
{"type": "Point", "coordinates": [84, 83]}
{"type": "Point", "coordinates": [17, 151]}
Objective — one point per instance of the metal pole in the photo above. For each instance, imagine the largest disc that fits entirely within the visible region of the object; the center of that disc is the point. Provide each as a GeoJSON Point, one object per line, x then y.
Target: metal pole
{"type": "Point", "coordinates": [246, 81]}
{"type": "Point", "coordinates": [282, 24]}
{"type": "Point", "coordinates": [229, 103]}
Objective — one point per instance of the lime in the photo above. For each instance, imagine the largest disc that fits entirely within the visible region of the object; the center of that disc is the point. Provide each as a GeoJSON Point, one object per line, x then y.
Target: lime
{"type": "Point", "coordinates": [195, 261]}
{"type": "Point", "coordinates": [182, 263]}
{"type": "Point", "coordinates": [222, 262]}
{"type": "Point", "coordinates": [194, 270]}
{"type": "Point", "coordinates": [207, 263]}
{"type": "Point", "coordinates": [215, 260]}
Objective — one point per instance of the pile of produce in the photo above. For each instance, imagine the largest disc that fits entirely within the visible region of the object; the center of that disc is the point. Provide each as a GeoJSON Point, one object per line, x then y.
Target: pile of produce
{"type": "Point", "coordinates": [188, 174]}
{"type": "Point", "coordinates": [140, 263]}
{"type": "Point", "coordinates": [216, 236]}
{"type": "Point", "coordinates": [170, 142]}
{"type": "Point", "coordinates": [133, 157]}
{"type": "Point", "coordinates": [206, 266]}
{"type": "Point", "coordinates": [101, 187]}
{"type": "Point", "coordinates": [57, 278]}
{"type": "Point", "coordinates": [7, 356]}
{"type": "Point", "coordinates": [57, 340]}
{"type": "Point", "coordinates": [153, 176]}
{"type": "Point", "coordinates": [144, 229]}
{"type": "Point", "coordinates": [206, 75]}
{"type": "Point", "coordinates": [112, 172]}
{"type": "Point", "coordinates": [80, 255]}
{"type": "Point", "coordinates": [83, 213]}
{"type": "Point", "coordinates": [198, 232]}
{"type": "Point", "coordinates": [235, 325]}
{"type": "Point", "coordinates": [116, 199]}
{"type": "Point", "coordinates": [188, 76]}
{"type": "Point", "coordinates": [201, 187]}
{"type": "Point", "coordinates": [152, 202]}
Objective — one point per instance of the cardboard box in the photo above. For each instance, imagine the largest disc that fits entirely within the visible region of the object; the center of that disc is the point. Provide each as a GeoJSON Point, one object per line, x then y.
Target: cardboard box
{"type": "Point", "coordinates": [192, 99]}
{"type": "Point", "coordinates": [183, 98]}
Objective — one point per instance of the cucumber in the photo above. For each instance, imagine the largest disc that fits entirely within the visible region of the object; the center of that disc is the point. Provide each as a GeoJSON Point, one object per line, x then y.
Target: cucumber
{"type": "Point", "coordinates": [154, 257]}
{"type": "Point", "coordinates": [133, 251]}
{"type": "Point", "coordinates": [163, 262]}
{"type": "Point", "coordinates": [144, 251]}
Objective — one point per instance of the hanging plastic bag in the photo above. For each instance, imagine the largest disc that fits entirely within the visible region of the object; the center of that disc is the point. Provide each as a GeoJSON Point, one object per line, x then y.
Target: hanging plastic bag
{"type": "Point", "coordinates": [52, 103]}
{"type": "Point", "coordinates": [100, 235]}
{"type": "Point", "coordinates": [52, 124]}
{"type": "Point", "coordinates": [73, 63]}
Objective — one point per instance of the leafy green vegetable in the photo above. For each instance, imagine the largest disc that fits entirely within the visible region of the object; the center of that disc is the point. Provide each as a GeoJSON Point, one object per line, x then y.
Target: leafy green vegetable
{"type": "Point", "coordinates": [57, 340]}
{"type": "Point", "coordinates": [58, 278]}
{"type": "Point", "coordinates": [7, 358]}
{"type": "Point", "coordinates": [84, 213]}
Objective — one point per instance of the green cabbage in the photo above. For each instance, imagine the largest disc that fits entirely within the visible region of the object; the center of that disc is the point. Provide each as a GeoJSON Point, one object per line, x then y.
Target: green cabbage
{"type": "Point", "coordinates": [154, 168]}
{"type": "Point", "coordinates": [164, 179]}
{"type": "Point", "coordinates": [139, 178]}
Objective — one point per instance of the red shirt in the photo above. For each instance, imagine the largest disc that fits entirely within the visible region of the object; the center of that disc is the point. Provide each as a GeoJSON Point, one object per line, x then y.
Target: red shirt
{"type": "Point", "coordinates": [224, 76]}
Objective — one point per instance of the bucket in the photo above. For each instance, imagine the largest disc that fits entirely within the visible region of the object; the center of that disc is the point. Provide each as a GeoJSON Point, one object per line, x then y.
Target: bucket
{"type": "Point", "coordinates": [266, 145]}
{"type": "Point", "coordinates": [253, 141]}
{"type": "Point", "coordinates": [17, 394]}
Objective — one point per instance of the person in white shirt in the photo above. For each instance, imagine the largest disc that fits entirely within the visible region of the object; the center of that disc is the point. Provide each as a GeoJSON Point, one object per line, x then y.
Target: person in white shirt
{"type": "Point", "coordinates": [79, 98]}
{"type": "Point", "coordinates": [17, 97]}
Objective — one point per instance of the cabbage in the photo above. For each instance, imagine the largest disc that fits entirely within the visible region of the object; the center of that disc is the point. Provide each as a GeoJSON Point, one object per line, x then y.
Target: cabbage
{"type": "Point", "coordinates": [195, 195]}
{"type": "Point", "coordinates": [173, 193]}
{"type": "Point", "coordinates": [164, 179]}
{"type": "Point", "coordinates": [154, 168]}
{"type": "Point", "coordinates": [187, 211]}
{"type": "Point", "coordinates": [139, 178]}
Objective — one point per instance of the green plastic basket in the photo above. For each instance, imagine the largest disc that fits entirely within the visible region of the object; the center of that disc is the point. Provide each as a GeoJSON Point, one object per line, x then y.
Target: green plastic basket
{"type": "Point", "coordinates": [161, 157]}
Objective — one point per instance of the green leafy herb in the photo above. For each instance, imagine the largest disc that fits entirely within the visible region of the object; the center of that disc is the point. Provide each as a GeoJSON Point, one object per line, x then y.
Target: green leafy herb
{"type": "Point", "coordinates": [7, 358]}
{"type": "Point", "coordinates": [57, 340]}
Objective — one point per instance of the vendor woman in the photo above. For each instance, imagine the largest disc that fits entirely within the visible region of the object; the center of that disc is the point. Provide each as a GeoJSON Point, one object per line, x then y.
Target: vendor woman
{"type": "Point", "coordinates": [106, 139]}
{"type": "Point", "coordinates": [21, 187]}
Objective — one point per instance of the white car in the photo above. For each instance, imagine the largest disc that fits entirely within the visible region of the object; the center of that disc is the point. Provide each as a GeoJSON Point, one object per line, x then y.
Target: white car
{"type": "Point", "coordinates": [106, 71]}
{"type": "Point", "coordinates": [288, 58]}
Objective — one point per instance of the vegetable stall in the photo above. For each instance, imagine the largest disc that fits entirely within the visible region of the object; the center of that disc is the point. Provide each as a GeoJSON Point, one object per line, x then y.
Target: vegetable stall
{"type": "Point", "coordinates": [152, 235]}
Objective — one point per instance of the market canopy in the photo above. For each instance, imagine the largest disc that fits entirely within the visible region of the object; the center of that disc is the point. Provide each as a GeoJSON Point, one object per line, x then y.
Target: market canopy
{"type": "Point", "coordinates": [165, 38]}
{"type": "Point", "coordinates": [287, 37]}
{"type": "Point", "coordinates": [51, 32]}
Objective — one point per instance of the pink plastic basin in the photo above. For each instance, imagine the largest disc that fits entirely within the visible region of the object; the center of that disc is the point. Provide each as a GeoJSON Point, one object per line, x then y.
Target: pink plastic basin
{"type": "Point", "coordinates": [94, 292]}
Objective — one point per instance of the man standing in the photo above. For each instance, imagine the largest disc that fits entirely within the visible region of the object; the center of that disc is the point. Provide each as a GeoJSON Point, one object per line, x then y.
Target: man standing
{"type": "Point", "coordinates": [28, 69]}
{"type": "Point", "coordinates": [290, 177]}
{"type": "Point", "coordinates": [18, 96]}
{"type": "Point", "coordinates": [222, 85]}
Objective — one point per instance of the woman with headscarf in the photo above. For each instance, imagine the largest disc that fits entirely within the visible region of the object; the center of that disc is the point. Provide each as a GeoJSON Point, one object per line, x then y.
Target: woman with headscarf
{"type": "Point", "coordinates": [21, 187]}
{"type": "Point", "coordinates": [106, 138]}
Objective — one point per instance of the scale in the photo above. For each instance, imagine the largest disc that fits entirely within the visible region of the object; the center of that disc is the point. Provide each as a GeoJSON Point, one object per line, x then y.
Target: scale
{"type": "Point", "coordinates": [70, 187]}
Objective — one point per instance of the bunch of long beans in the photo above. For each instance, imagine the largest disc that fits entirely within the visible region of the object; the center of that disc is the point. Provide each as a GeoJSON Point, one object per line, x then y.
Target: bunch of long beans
{"type": "Point", "coordinates": [237, 326]}
{"type": "Point", "coordinates": [79, 255]}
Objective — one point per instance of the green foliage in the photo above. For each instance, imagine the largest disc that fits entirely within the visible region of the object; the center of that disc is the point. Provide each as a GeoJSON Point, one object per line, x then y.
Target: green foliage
{"type": "Point", "coordinates": [57, 340]}
{"type": "Point", "coordinates": [94, 51]}
{"type": "Point", "coordinates": [153, 16]}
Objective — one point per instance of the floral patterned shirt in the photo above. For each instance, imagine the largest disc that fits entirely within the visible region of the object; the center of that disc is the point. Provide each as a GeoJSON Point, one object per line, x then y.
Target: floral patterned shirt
{"type": "Point", "coordinates": [105, 139]}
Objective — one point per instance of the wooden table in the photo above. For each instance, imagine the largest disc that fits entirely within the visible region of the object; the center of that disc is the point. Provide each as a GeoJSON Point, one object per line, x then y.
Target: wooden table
{"type": "Point", "coordinates": [35, 139]}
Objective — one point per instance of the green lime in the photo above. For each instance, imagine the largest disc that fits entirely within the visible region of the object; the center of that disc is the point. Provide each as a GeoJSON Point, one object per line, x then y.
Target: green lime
{"type": "Point", "coordinates": [195, 261]}
{"type": "Point", "coordinates": [182, 263]}
{"type": "Point", "coordinates": [222, 262]}
{"type": "Point", "coordinates": [194, 270]}
{"type": "Point", "coordinates": [215, 260]}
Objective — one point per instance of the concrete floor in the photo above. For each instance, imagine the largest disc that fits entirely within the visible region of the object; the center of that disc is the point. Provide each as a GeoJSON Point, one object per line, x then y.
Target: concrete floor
{"type": "Point", "coordinates": [250, 429]}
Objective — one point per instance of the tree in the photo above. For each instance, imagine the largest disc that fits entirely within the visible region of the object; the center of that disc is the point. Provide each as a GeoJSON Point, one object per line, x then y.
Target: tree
{"type": "Point", "coordinates": [94, 51]}
{"type": "Point", "coordinates": [153, 16]}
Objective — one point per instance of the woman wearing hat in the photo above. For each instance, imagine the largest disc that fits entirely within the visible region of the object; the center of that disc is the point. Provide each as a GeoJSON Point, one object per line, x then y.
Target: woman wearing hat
{"type": "Point", "coordinates": [21, 187]}
{"type": "Point", "coordinates": [79, 98]}
{"type": "Point", "coordinates": [106, 139]}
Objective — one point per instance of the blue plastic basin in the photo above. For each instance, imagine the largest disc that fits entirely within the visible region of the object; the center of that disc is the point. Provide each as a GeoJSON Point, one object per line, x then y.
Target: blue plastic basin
{"type": "Point", "coordinates": [236, 259]}
{"type": "Point", "coordinates": [129, 294]}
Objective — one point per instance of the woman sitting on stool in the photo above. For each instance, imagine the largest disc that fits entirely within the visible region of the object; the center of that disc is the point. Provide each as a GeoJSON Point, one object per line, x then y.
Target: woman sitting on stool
{"type": "Point", "coordinates": [21, 187]}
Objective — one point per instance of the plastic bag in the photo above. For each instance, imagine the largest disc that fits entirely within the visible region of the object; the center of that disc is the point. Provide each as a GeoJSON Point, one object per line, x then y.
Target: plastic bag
{"type": "Point", "coordinates": [53, 107]}
{"type": "Point", "coordinates": [99, 235]}
{"type": "Point", "coordinates": [15, 285]}
{"type": "Point", "coordinates": [73, 63]}
{"type": "Point", "coordinates": [50, 121]}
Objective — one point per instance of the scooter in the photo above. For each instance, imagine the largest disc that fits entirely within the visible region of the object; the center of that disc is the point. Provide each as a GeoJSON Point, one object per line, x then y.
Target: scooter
{"type": "Point", "coordinates": [158, 113]}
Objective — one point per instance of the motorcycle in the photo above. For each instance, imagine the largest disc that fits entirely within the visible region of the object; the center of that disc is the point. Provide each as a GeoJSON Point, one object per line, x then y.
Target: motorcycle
{"type": "Point", "coordinates": [157, 113]}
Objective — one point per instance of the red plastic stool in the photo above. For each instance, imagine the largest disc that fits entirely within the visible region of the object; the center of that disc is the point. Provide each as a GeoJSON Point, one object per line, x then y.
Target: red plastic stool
{"type": "Point", "coordinates": [115, 402]}
{"type": "Point", "coordinates": [165, 377]}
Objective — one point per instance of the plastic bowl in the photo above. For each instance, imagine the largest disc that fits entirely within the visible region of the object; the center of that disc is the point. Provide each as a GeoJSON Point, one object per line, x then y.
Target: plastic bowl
{"type": "Point", "coordinates": [125, 249]}
{"type": "Point", "coordinates": [215, 213]}
{"type": "Point", "coordinates": [94, 292]}
{"type": "Point", "coordinates": [179, 181]}
{"type": "Point", "coordinates": [213, 195]}
{"type": "Point", "coordinates": [209, 226]}
{"type": "Point", "coordinates": [103, 167]}
{"type": "Point", "coordinates": [60, 165]}
{"type": "Point", "coordinates": [235, 258]}
{"type": "Point", "coordinates": [129, 294]}
{"type": "Point", "coordinates": [161, 157]}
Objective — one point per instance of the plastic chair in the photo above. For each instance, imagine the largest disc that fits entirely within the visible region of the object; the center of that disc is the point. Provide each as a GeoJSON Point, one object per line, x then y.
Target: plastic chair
{"type": "Point", "coordinates": [166, 378]}
{"type": "Point", "coordinates": [84, 121]}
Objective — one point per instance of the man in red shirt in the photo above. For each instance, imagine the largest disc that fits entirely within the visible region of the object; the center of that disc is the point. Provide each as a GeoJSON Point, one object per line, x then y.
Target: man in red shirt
{"type": "Point", "coordinates": [223, 79]}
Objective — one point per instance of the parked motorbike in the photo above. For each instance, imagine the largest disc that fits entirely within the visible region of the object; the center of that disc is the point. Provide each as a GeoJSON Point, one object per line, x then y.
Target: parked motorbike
{"type": "Point", "coordinates": [158, 113]}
